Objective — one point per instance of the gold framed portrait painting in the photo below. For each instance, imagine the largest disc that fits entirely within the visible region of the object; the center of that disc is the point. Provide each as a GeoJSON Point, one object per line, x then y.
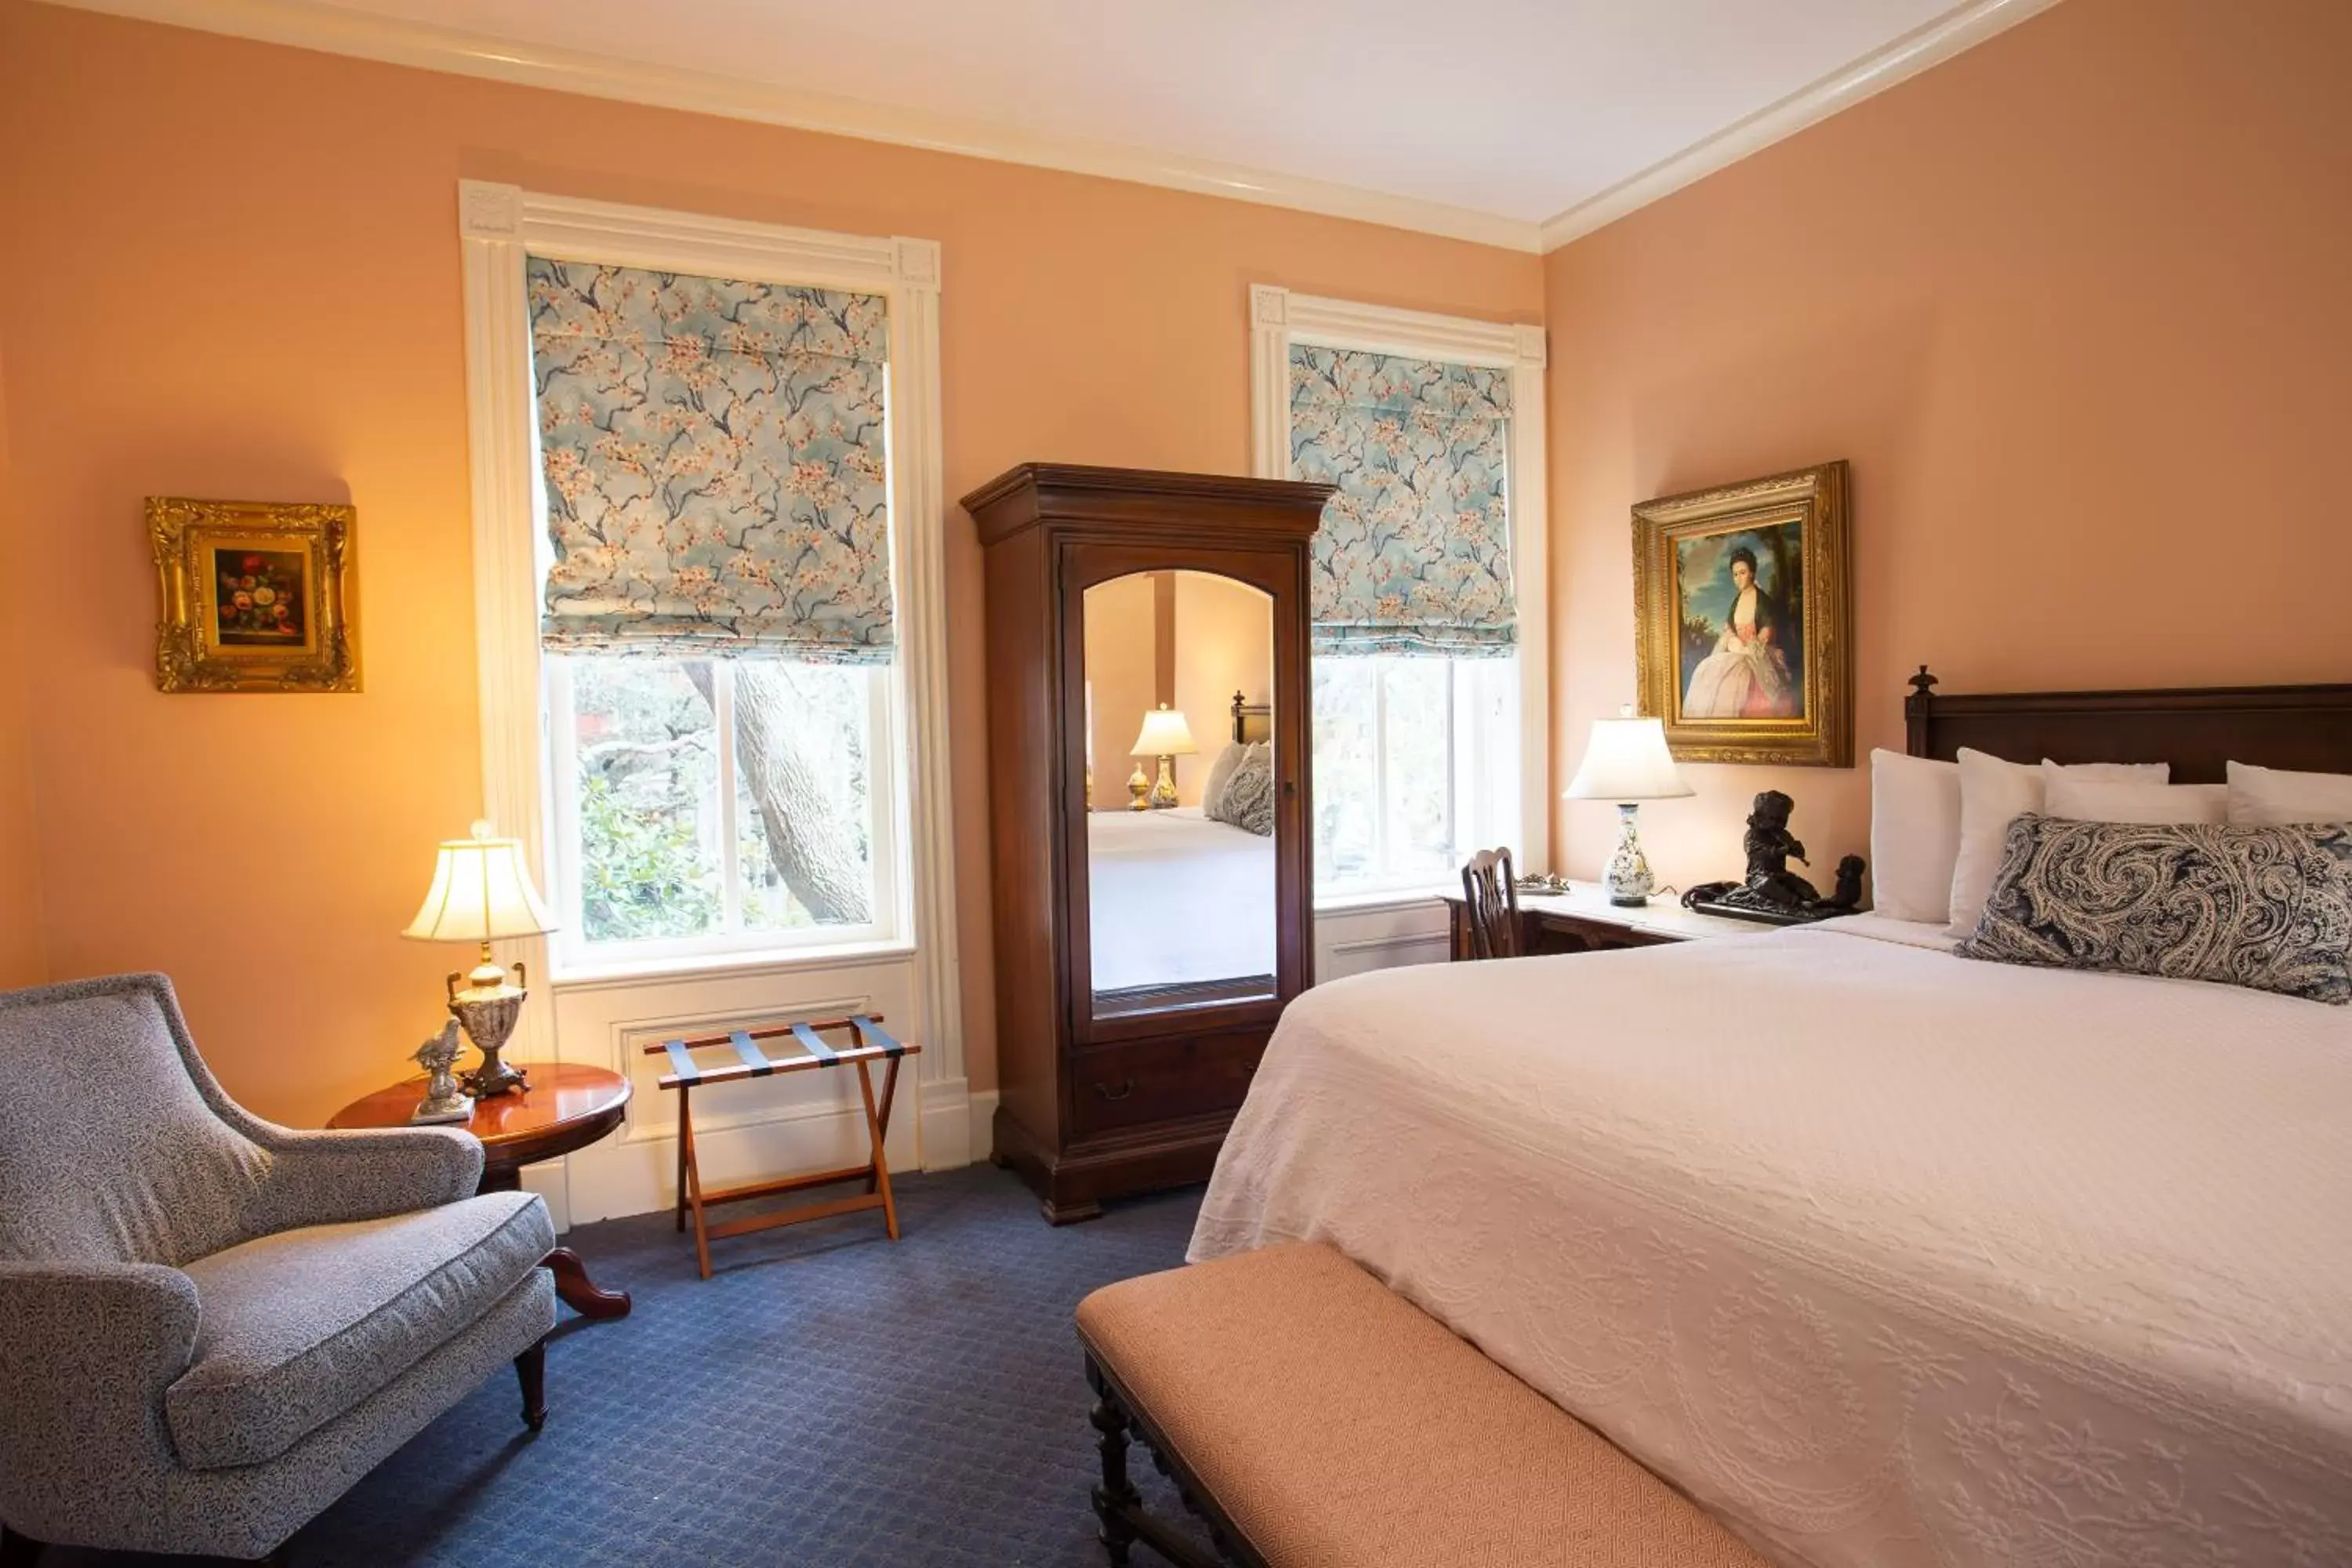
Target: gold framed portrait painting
{"type": "Point", "coordinates": [1743, 619]}
{"type": "Point", "coordinates": [254, 595]}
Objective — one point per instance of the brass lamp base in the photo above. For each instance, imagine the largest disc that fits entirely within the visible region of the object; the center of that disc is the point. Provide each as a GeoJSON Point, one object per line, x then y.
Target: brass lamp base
{"type": "Point", "coordinates": [488, 1006]}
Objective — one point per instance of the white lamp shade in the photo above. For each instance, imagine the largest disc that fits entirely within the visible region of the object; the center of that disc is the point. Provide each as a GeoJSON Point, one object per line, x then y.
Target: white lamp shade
{"type": "Point", "coordinates": [1164, 734]}
{"type": "Point", "coordinates": [1627, 760]}
{"type": "Point", "coordinates": [482, 889]}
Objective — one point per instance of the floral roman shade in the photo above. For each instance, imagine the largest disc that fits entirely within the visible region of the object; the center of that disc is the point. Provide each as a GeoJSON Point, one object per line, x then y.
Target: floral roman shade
{"type": "Point", "coordinates": [714, 464]}
{"type": "Point", "coordinates": [1414, 555]}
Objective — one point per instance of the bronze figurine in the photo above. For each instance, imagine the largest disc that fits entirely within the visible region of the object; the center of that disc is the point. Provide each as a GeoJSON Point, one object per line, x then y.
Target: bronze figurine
{"type": "Point", "coordinates": [1770, 893]}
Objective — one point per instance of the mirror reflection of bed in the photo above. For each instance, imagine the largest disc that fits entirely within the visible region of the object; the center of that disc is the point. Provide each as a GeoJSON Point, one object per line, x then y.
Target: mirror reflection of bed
{"type": "Point", "coordinates": [1180, 810]}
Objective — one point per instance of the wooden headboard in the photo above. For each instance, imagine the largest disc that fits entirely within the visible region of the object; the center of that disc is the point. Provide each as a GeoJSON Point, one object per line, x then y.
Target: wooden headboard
{"type": "Point", "coordinates": [1252, 720]}
{"type": "Point", "coordinates": [2196, 729]}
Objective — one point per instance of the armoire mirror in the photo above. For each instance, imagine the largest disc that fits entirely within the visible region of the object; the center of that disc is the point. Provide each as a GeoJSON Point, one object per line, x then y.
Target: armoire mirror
{"type": "Point", "coordinates": [1182, 877]}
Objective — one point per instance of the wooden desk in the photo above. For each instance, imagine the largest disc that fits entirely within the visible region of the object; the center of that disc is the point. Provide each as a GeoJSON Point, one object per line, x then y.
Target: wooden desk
{"type": "Point", "coordinates": [1582, 920]}
{"type": "Point", "coordinates": [566, 1107]}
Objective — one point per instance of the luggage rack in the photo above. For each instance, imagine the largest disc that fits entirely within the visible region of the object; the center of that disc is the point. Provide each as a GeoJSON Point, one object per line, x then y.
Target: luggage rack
{"type": "Point", "coordinates": [868, 1043]}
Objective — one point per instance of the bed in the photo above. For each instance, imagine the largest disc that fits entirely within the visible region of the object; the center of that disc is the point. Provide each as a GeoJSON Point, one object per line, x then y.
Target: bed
{"type": "Point", "coordinates": [1175, 899]}
{"type": "Point", "coordinates": [1181, 908]}
{"type": "Point", "coordinates": [1888, 1257]}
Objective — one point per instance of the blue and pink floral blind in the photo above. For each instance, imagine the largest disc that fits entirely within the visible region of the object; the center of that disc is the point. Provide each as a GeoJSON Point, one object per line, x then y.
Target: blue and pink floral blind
{"type": "Point", "coordinates": [714, 466]}
{"type": "Point", "coordinates": [1413, 556]}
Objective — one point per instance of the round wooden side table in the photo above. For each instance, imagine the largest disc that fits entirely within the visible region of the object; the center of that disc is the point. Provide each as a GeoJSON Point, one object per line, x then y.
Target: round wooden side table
{"type": "Point", "coordinates": [566, 1107]}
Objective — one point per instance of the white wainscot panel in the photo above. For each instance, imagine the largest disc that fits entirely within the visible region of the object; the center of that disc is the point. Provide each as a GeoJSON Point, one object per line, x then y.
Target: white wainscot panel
{"type": "Point", "coordinates": [753, 1130]}
{"type": "Point", "coordinates": [1381, 936]}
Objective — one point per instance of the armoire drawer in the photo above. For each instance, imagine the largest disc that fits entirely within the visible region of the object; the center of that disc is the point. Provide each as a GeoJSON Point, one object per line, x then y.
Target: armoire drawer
{"type": "Point", "coordinates": [1131, 1085]}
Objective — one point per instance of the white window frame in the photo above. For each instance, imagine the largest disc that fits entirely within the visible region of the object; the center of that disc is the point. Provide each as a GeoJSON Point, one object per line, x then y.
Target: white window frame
{"type": "Point", "coordinates": [1279, 319]}
{"type": "Point", "coordinates": [498, 226]}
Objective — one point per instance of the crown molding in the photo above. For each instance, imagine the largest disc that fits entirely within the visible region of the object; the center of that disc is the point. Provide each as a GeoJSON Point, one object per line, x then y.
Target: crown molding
{"type": "Point", "coordinates": [1949, 34]}
{"type": "Point", "coordinates": [334, 31]}
{"type": "Point", "coordinates": [301, 24]}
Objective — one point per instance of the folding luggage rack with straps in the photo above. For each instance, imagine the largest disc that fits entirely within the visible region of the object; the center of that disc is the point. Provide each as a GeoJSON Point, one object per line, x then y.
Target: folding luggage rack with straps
{"type": "Point", "coordinates": [868, 1043]}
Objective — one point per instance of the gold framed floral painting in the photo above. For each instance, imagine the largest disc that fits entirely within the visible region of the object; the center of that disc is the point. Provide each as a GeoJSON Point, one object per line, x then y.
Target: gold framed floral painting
{"type": "Point", "coordinates": [1743, 619]}
{"type": "Point", "coordinates": [255, 595]}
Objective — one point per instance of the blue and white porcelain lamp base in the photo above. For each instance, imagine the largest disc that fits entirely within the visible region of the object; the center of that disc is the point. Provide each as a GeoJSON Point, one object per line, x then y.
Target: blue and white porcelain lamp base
{"type": "Point", "coordinates": [1628, 880]}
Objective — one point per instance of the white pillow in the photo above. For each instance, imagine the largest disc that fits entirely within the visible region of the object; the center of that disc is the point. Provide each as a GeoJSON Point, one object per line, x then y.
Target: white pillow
{"type": "Point", "coordinates": [2273, 797]}
{"type": "Point", "coordinates": [1914, 836]}
{"type": "Point", "coordinates": [1213, 792]}
{"type": "Point", "coordinates": [2079, 799]}
{"type": "Point", "coordinates": [1994, 794]}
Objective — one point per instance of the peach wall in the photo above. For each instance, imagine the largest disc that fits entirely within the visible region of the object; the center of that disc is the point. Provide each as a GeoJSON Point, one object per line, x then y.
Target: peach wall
{"type": "Point", "coordinates": [2072, 303]}
{"type": "Point", "coordinates": [1122, 635]}
{"type": "Point", "coordinates": [231, 270]}
{"type": "Point", "coordinates": [20, 927]}
{"type": "Point", "coordinates": [1224, 644]}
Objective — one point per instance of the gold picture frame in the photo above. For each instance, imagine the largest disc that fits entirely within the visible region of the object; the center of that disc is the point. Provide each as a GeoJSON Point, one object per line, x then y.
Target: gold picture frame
{"type": "Point", "coordinates": [255, 595]}
{"type": "Point", "coordinates": [1743, 619]}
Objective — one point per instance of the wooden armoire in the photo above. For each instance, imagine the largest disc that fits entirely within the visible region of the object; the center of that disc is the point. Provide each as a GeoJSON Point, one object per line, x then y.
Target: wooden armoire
{"type": "Point", "coordinates": [1104, 1093]}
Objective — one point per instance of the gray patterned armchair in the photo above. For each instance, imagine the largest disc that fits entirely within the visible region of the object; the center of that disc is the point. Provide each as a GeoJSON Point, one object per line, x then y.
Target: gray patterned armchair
{"type": "Point", "coordinates": [211, 1326]}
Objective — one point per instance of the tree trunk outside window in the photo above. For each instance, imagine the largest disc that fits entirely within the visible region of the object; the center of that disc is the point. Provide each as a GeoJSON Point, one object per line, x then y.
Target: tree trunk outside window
{"type": "Point", "coordinates": [811, 841]}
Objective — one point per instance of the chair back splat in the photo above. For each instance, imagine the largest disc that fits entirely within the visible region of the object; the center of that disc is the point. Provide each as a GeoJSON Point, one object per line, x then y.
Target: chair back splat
{"type": "Point", "coordinates": [1490, 901]}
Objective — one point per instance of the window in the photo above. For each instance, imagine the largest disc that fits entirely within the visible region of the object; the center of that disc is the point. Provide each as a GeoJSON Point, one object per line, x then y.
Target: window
{"type": "Point", "coordinates": [1416, 767]}
{"type": "Point", "coordinates": [1416, 620]}
{"type": "Point", "coordinates": [714, 805]}
{"type": "Point", "coordinates": [717, 626]}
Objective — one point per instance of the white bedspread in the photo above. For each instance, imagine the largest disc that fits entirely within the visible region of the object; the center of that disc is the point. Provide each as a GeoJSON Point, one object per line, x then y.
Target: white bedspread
{"type": "Point", "coordinates": [1889, 1257]}
{"type": "Point", "coordinates": [1176, 898]}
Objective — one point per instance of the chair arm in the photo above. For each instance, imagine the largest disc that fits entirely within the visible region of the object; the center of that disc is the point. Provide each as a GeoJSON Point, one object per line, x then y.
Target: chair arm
{"type": "Point", "coordinates": [328, 1178]}
{"type": "Point", "coordinates": [85, 1353]}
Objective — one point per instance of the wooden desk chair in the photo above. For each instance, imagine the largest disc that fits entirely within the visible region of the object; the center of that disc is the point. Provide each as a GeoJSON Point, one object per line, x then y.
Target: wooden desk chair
{"type": "Point", "coordinates": [1490, 904]}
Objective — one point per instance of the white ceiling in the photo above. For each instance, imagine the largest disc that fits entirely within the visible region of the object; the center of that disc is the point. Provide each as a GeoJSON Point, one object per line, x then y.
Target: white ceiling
{"type": "Point", "coordinates": [1516, 110]}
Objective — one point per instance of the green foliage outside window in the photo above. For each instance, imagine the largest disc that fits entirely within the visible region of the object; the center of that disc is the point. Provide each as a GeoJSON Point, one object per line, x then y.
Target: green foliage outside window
{"type": "Point", "coordinates": [641, 872]}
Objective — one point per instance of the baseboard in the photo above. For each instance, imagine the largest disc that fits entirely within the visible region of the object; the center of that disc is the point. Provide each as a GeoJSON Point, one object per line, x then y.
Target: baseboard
{"type": "Point", "coordinates": [983, 1124]}
{"type": "Point", "coordinates": [948, 1125]}
{"type": "Point", "coordinates": [552, 1182]}
{"type": "Point", "coordinates": [630, 1175]}
{"type": "Point", "coordinates": [637, 1172]}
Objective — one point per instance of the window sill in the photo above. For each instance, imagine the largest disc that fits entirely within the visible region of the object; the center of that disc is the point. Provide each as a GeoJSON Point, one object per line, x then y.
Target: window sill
{"type": "Point", "coordinates": [727, 966]}
{"type": "Point", "coordinates": [1373, 899]}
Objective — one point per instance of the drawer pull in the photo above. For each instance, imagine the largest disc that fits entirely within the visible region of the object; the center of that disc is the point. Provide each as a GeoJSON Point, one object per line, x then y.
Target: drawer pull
{"type": "Point", "coordinates": [1126, 1087]}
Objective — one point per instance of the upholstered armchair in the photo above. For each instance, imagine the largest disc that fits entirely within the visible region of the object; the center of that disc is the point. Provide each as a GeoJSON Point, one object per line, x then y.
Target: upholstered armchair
{"type": "Point", "coordinates": [211, 1326]}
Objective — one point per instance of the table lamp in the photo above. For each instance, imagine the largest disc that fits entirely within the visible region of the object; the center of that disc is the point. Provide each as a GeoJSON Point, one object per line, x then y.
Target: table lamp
{"type": "Point", "coordinates": [1164, 735]}
{"type": "Point", "coordinates": [1627, 762]}
{"type": "Point", "coordinates": [481, 890]}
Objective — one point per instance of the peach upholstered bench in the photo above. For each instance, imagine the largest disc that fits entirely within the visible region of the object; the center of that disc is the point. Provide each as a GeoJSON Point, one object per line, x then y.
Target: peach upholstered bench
{"type": "Point", "coordinates": [1317, 1420]}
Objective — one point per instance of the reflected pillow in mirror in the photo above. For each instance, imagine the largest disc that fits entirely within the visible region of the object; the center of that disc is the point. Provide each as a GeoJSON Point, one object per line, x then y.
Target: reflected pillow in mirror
{"type": "Point", "coordinates": [1247, 802]}
{"type": "Point", "coordinates": [1212, 792]}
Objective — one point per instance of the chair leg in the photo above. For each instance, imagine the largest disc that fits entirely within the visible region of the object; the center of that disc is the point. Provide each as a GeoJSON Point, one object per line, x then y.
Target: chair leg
{"type": "Point", "coordinates": [1113, 1494]}
{"type": "Point", "coordinates": [18, 1550]}
{"type": "Point", "coordinates": [531, 1371]}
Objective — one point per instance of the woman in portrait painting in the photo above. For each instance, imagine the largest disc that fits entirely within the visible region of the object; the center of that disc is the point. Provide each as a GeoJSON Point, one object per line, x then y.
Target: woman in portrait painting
{"type": "Point", "coordinates": [1747, 676]}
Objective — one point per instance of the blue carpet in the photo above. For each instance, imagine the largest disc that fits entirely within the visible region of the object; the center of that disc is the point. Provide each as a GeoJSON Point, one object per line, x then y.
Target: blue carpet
{"type": "Point", "coordinates": [827, 1400]}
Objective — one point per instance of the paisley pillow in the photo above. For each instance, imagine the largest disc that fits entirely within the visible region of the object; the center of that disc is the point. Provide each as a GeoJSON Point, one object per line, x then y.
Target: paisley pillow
{"type": "Point", "coordinates": [1248, 799]}
{"type": "Point", "coordinates": [2269, 908]}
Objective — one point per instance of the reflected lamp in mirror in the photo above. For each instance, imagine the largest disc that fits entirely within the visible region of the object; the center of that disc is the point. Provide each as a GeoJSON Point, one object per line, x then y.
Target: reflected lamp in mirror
{"type": "Point", "coordinates": [482, 891]}
{"type": "Point", "coordinates": [1166, 736]}
{"type": "Point", "coordinates": [1626, 761]}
